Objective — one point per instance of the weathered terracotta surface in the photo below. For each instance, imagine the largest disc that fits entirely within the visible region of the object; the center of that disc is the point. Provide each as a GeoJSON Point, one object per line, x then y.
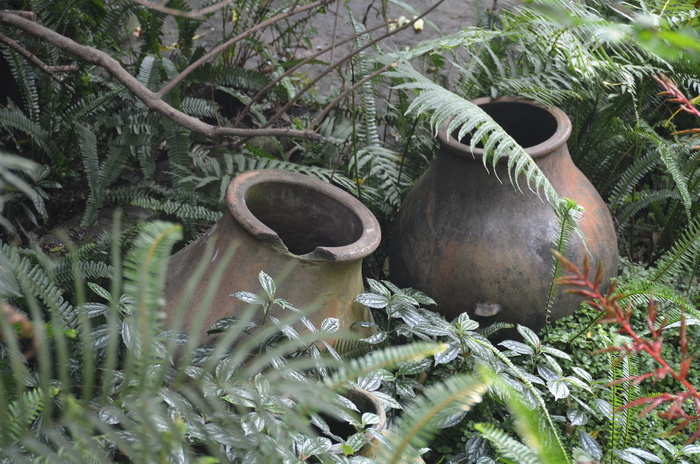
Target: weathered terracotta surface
{"type": "Point", "coordinates": [309, 236]}
{"type": "Point", "coordinates": [477, 244]}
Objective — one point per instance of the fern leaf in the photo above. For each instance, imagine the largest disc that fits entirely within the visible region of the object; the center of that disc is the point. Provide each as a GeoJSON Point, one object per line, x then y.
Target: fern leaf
{"type": "Point", "coordinates": [25, 411]}
{"type": "Point", "coordinates": [441, 405]}
{"type": "Point", "coordinates": [508, 446]}
{"type": "Point", "coordinates": [682, 257]}
{"type": "Point", "coordinates": [467, 117]}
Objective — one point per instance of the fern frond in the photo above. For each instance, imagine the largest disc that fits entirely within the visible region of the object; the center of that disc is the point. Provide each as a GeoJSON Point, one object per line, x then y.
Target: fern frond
{"type": "Point", "coordinates": [22, 413]}
{"type": "Point", "coordinates": [466, 117]}
{"type": "Point", "coordinates": [441, 405]}
{"type": "Point", "coordinates": [36, 282]}
{"type": "Point", "coordinates": [630, 178]}
{"type": "Point", "coordinates": [568, 215]}
{"type": "Point", "coordinates": [144, 279]}
{"type": "Point", "coordinates": [199, 107]}
{"type": "Point", "coordinates": [508, 446]}
{"type": "Point", "coordinates": [640, 200]}
{"type": "Point", "coordinates": [14, 118]}
{"type": "Point", "coordinates": [682, 257]}
{"type": "Point", "coordinates": [183, 211]}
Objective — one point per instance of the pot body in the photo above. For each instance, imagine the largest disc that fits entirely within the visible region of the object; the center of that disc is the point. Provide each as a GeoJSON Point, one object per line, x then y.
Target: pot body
{"type": "Point", "coordinates": [477, 244]}
{"type": "Point", "coordinates": [309, 236]}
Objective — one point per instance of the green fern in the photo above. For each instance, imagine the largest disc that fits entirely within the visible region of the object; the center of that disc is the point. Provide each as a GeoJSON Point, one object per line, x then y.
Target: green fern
{"type": "Point", "coordinates": [568, 216]}
{"type": "Point", "coordinates": [440, 406]}
{"type": "Point", "coordinates": [682, 258]}
{"type": "Point", "coordinates": [24, 412]}
{"type": "Point", "coordinates": [464, 117]}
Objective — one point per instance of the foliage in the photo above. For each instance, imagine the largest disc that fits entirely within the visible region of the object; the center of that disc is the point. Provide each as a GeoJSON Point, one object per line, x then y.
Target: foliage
{"type": "Point", "coordinates": [609, 305]}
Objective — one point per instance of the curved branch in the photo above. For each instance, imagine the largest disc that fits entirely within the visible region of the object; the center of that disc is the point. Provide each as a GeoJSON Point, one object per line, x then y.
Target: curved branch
{"type": "Point", "coordinates": [32, 58]}
{"type": "Point", "coordinates": [231, 42]}
{"type": "Point", "coordinates": [293, 69]}
{"type": "Point", "coordinates": [184, 14]}
{"type": "Point", "coordinates": [150, 99]}
{"type": "Point", "coordinates": [342, 61]}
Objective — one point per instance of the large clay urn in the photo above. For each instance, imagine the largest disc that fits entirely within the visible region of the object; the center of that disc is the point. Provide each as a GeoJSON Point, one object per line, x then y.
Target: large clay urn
{"type": "Point", "coordinates": [308, 235]}
{"type": "Point", "coordinates": [475, 243]}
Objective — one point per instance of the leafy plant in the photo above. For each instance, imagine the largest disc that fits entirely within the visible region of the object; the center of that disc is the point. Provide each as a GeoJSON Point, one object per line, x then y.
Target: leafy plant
{"type": "Point", "coordinates": [609, 306]}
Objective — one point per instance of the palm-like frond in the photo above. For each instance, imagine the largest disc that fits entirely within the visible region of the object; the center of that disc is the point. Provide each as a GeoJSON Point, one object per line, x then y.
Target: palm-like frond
{"type": "Point", "coordinates": [440, 406]}
{"type": "Point", "coordinates": [465, 117]}
{"type": "Point", "coordinates": [682, 258]}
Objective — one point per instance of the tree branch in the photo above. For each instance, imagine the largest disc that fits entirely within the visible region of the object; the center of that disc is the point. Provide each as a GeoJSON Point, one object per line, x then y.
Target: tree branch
{"type": "Point", "coordinates": [150, 99]}
{"type": "Point", "coordinates": [184, 14]}
{"type": "Point", "coordinates": [340, 62]}
{"type": "Point", "coordinates": [294, 68]}
{"type": "Point", "coordinates": [29, 56]}
{"type": "Point", "coordinates": [231, 42]}
{"type": "Point", "coordinates": [348, 91]}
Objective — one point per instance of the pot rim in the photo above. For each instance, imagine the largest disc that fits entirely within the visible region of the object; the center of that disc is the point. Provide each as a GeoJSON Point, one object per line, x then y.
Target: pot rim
{"type": "Point", "coordinates": [236, 204]}
{"type": "Point", "coordinates": [557, 139]}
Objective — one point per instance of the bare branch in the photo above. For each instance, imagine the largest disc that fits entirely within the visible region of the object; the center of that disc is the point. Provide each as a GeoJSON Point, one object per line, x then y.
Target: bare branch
{"type": "Point", "coordinates": [351, 89]}
{"type": "Point", "coordinates": [231, 42]}
{"type": "Point", "coordinates": [150, 99]}
{"type": "Point", "coordinates": [345, 59]}
{"type": "Point", "coordinates": [29, 56]}
{"type": "Point", "coordinates": [294, 68]}
{"type": "Point", "coordinates": [184, 14]}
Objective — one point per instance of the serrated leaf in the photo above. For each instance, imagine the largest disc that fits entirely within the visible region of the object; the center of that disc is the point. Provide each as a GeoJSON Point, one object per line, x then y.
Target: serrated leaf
{"type": "Point", "coordinates": [262, 385]}
{"type": "Point", "coordinates": [559, 389]}
{"type": "Point", "coordinates": [268, 284]}
{"type": "Point", "coordinates": [529, 336]}
{"type": "Point", "coordinates": [591, 446]}
{"type": "Point", "coordinates": [373, 300]}
{"type": "Point", "coordinates": [666, 445]}
{"type": "Point", "coordinates": [577, 382]}
{"type": "Point", "coordinates": [691, 449]}
{"type": "Point", "coordinates": [447, 417]}
{"type": "Point", "coordinates": [369, 418]}
{"type": "Point", "coordinates": [604, 407]}
{"type": "Point", "coordinates": [330, 324]}
{"type": "Point", "coordinates": [628, 457]}
{"type": "Point", "coordinates": [414, 367]}
{"type": "Point", "coordinates": [314, 446]}
{"type": "Point", "coordinates": [379, 288]}
{"type": "Point", "coordinates": [582, 373]}
{"type": "Point", "coordinates": [226, 323]}
{"type": "Point", "coordinates": [644, 454]}
{"type": "Point", "coordinates": [100, 291]}
{"type": "Point", "coordinates": [249, 297]}
{"type": "Point", "coordinates": [547, 373]}
{"type": "Point", "coordinates": [447, 355]}
{"type": "Point", "coordinates": [576, 417]}
{"type": "Point", "coordinates": [252, 423]}
{"type": "Point", "coordinates": [556, 352]}
{"type": "Point", "coordinates": [375, 339]}
{"type": "Point", "coordinates": [518, 347]}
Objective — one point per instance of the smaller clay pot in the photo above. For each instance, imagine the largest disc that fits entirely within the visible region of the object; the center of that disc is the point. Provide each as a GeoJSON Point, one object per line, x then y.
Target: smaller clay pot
{"type": "Point", "coordinates": [306, 234]}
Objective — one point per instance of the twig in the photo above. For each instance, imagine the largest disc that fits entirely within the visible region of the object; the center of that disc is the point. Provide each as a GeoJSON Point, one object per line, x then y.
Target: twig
{"type": "Point", "coordinates": [342, 61]}
{"type": "Point", "coordinates": [150, 99]}
{"type": "Point", "coordinates": [294, 68]}
{"type": "Point", "coordinates": [48, 70]}
{"type": "Point", "coordinates": [229, 43]}
{"type": "Point", "coordinates": [185, 14]}
{"type": "Point", "coordinates": [351, 89]}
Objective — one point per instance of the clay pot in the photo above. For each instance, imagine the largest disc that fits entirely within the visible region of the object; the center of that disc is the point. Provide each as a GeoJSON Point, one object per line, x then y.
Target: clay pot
{"type": "Point", "coordinates": [475, 243]}
{"type": "Point", "coordinates": [308, 235]}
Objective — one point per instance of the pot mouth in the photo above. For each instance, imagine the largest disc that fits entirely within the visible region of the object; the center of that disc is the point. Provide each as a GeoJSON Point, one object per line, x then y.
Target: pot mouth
{"type": "Point", "coordinates": [537, 128]}
{"type": "Point", "coordinates": [302, 215]}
